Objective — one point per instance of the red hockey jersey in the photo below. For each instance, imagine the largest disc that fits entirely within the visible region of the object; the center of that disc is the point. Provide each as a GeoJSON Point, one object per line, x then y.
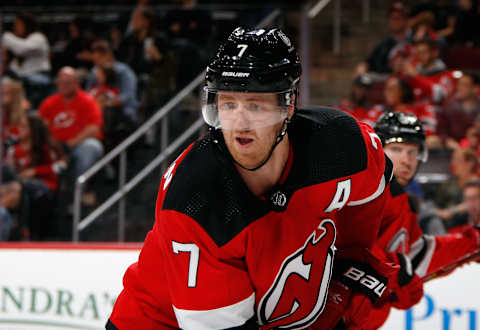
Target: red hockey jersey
{"type": "Point", "coordinates": [401, 233]}
{"type": "Point", "coordinates": [219, 257]}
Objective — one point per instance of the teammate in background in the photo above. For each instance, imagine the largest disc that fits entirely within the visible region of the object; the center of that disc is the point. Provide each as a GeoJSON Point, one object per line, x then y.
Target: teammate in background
{"type": "Point", "coordinates": [255, 218]}
{"type": "Point", "coordinates": [400, 236]}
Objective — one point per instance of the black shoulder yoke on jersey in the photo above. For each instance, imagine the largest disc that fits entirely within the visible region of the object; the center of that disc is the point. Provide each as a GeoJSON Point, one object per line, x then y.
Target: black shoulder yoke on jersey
{"type": "Point", "coordinates": [396, 188]}
{"type": "Point", "coordinates": [327, 144]}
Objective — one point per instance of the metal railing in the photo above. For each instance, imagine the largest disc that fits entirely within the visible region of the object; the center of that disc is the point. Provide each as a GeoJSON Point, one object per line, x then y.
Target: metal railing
{"type": "Point", "coordinates": [121, 151]}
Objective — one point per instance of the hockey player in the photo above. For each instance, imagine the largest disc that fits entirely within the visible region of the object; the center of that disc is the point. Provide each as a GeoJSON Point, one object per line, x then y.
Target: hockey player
{"type": "Point", "coordinates": [266, 221]}
{"type": "Point", "coordinates": [400, 236]}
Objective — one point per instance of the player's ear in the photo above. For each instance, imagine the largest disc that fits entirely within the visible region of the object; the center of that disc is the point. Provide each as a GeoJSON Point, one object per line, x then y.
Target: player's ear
{"type": "Point", "coordinates": [291, 107]}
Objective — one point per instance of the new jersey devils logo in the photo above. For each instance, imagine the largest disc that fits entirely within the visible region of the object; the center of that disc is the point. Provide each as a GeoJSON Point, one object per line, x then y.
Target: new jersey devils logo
{"type": "Point", "coordinates": [299, 293]}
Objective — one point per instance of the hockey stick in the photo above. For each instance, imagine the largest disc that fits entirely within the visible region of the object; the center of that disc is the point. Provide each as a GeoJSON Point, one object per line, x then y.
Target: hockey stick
{"type": "Point", "coordinates": [467, 258]}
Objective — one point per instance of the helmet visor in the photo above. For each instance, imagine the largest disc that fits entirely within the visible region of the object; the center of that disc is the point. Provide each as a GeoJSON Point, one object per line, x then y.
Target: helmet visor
{"type": "Point", "coordinates": [244, 111]}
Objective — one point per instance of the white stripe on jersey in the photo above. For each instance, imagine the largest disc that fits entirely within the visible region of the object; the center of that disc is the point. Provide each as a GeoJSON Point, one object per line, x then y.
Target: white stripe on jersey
{"type": "Point", "coordinates": [220, 318]}
{"type": "Point", "coordinates": [417, 247]}
{"type": "Point", "coordinates": [378, 192]}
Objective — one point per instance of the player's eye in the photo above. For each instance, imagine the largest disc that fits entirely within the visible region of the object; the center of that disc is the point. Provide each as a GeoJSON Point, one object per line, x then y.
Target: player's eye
{"type": "Point", "coordinates": [226, 106]}
{"type": "Point", "coordinates": [413, 153]}
{"type": "Point", "coordinates": [254, 107]}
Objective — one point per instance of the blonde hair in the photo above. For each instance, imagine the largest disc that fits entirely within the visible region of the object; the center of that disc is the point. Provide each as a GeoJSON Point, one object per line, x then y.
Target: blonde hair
{"type": "Point", "coordinates": [17, 111]}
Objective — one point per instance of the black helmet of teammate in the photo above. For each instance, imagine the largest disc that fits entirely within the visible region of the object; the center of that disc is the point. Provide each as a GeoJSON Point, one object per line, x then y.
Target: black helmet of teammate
{"type": "Point", "coordinates": [255, 60]}
{"type": "Point", "coordinates": [400, 127]}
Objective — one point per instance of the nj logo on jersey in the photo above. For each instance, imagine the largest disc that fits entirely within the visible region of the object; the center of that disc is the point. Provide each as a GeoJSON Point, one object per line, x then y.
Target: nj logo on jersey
{"type": "Point", "coordinates": [299, 293]}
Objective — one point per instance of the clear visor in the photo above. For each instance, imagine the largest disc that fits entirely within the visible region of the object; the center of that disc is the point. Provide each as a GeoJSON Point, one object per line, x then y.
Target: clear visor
{"type": "Point", "coordinates": [244, 111]}
{"type": "Point", "coordinates": [421, 154]}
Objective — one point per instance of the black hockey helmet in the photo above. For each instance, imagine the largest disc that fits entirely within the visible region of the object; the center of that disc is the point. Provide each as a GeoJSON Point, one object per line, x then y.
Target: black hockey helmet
{"type": "Point", "coordinates": [252, 61]}
{"type": "Point", "coordinates": [401, 127]}
{"type": "Point", "coordinates": [255, 60]}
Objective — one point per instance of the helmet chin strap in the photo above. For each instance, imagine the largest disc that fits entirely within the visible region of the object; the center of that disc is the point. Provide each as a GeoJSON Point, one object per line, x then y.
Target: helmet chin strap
{"type": "Point", "coordinates": [278, 139]}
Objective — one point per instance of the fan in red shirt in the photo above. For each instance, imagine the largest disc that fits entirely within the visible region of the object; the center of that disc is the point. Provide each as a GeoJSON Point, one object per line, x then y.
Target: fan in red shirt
{"type": "Point", "coordinates": [35, 155]}
{"type": "Point", "coordinates": [400, 236]}
{"type": "Point", "coordinates": [265, 222]}
{"type": "Point", "coordinates": [75, 119]}
{"type": "Point", "coordinates": [428, 75]}
{"type": "Point", "coordinates": [37, 162]}
{"type": "Point", "coordinates": [399, 97]}
{"type": "Point", "coordinates": [357, 104]}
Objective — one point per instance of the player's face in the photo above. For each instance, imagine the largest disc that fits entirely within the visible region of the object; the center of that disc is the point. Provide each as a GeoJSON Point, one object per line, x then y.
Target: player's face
{"type": "Point", "coordinates": [250, 124]}
{"type": "Point", "coordinates": [405, 160]}
{"type": "Point", "coordinates": [471, 197]}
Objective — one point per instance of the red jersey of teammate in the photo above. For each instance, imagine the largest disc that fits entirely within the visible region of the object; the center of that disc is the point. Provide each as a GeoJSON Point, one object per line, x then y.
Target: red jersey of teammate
{"type": "Point", "coordinates": [67, 119]}
{"type": "Point", "coordinates": [218, 256]}
{"type": "Point", "coordinates": [20, 159]}
{"type": "Point", "coordinates": [424, 111]}
{"type": "Point", "coordinates": [400, 233]}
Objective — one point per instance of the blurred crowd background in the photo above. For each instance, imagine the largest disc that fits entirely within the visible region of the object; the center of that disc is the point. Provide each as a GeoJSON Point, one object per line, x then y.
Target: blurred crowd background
{"type": "Point", "coordinates": [78, 77]}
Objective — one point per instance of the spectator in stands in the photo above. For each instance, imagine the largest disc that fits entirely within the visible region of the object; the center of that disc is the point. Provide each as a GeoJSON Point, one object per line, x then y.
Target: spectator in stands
{"type": "Point", "coordinates": [464, 167]}
{"type": "Point", "coordinates": [37, 160]}
{"type": "Point", "coordinates": [139, 46]}
{"type": "Point", "coordinates": [458, 114]}
{"type": "Point", "coordinates": [104, 91]}
{"type": "Point", "coordinates": [77, 50]}
{"type": "Point", "coordinates": [28, 56]}
{"type": "Point", "coordinates": [471, 199]}
{"type": "Point", "coordinates": [428, 74]}
{"type": "Point", "coordinates": [36, 155]}
{"type": "Point", "coordinates": [467, 24]}
{"type": "Point", "coordinates": [75, 119]}
{"type": "Point", "coordinates": [13, 109]}
{"type": "Point", "coordinates": [188, 22]}
{"type": "Point", "coordinates": [399, 97]}
{"type": "Point", "coordinates": [125, 81]}
{"type": "Point", "coordinates": [379, 59]}
{"type": "Point", "coordinates": [444, 13]}
{"type": "Point", "coordinates": [357, 103]}
{"type": "Point", "coordinates": [422, 28]}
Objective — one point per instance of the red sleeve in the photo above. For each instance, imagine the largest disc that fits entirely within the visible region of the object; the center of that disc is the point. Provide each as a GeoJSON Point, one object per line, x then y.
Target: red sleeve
{"type": "Point", "coordinates": [430, 254]}
{"type": "Point", "coordinates": [365, 206]}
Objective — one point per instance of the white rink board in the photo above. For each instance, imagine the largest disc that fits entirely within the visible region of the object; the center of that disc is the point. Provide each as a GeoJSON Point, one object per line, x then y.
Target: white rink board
{"type": "Point", "coordinates": [60, 288]}
{"type": "Point", "coordinates": [449, 303]}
